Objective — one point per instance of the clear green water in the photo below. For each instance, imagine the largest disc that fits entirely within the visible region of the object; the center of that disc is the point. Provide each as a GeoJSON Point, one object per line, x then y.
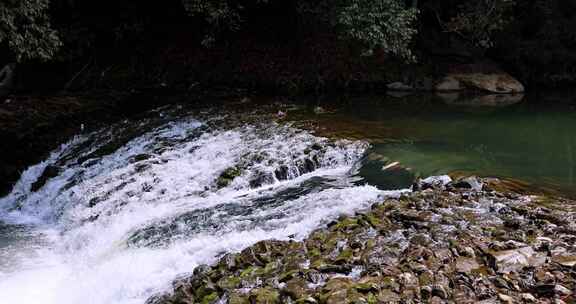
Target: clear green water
{"type": "Point", "coordinates": [533, 141]}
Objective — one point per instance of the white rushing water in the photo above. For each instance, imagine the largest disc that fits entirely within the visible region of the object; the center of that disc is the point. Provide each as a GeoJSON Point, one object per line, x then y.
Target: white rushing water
{"type": "Point", "coordinates": [132, 207]}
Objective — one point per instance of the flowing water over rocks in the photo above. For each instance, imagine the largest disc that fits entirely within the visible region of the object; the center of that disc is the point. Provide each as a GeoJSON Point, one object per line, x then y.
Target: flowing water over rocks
{"type": "Point", "coordinates": [134, 212]}
{"type": "Point", "coordinates": [116, 215]}
{"type": "Point", "coordinates": [449, 243]}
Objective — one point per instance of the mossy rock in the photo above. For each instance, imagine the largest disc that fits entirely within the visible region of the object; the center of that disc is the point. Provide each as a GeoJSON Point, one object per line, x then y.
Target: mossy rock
{"type": "Point", "coordinates": [367, 286]}
{"type": "Point", "coordinates": [373, 220]}
{"type": "Point", "coordinates": [296, 289]}
{"type": "Point", "coordinates": [228, 176]}
{"type": "Point", "coordinates": [238, 298]}
{"type": "Point", "coordinates": [288, 275]}
{"type": "Point", "coordinates": [345, 257]}
{"type": "Point", "coordinates": [210, 298]}
{"type": "Point", "coordinates": [341, 290]}
{"type": "Point", "coordinates": [349, 223]}
{"type": "Point", "coordinates": [314, 253]}
{"type": "Point", "coordinates": [306, 300]}
{"type": "Point", "coordinates": [249, 271]}
{"type": "Point", "coordinates": [231, 282]}
{"type": "Point", "coordinates": [264, 296]}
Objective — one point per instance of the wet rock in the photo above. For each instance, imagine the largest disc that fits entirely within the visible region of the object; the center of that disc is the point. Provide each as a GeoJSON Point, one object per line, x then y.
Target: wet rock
{"type": "Point", "coordinates": [259, 179]}
{"type": "Point", "coordinates": [228, 262]}
{"type": "Point", "coordinates": [339, 290]}
{"type": "Point", "coordinates": [471, 183]}
{"type": "Point", "coordinates": [49, 172]}
{"type": "Point", "coordinates": [296, 289]}
{"type": "Point", "coordinates": [543, 276]}
{"type": "Point", "coordinates": [434, 182]}
{"type": "Point", "coordinates": [387, 296]}
{"type": "Point", "coordinates": [238, 298]}
{"type": "Point", "coordinates": [440, 292]}
{"type": "Point", "coordinates": [467, 252]}
{"type": "Point", "coordinates": [551, 290]}
{"type": "Point", "coordinates": [466, 265]}
{"type": "Point", "coordinates": [306, 300]}
{"type": "Point", "coordinates": [331, 268]}
{"type": "Point", "coordinates": [516, 259]}
{"type": "Point", "coordinates": [210, 298]}
{"type": "Point", "coordinates": [230, 282]}
{"type": "Point", "coordinates": [448, 84]}
{"type": "Point", "coordinates": [450, 245]}
{"type": "Point", "coordinates": [501, 82]}
{"type": "Point", "coordinates": [157, 299]}
{"type": "Point", "coordinates": [506, 298]}
{"type": "Point", "coordinates": [565, 260]}
{"type": "Point", "coordinates": [228, 176]}
{"type": "Point", "coordinates": [264, 296]}
{"type": "Point", "coordinates": [528, 298]}
{"type": "Point", "coordinates": [464, 294]}
{"type": "Point", "coordinates": [399, 86]}
{"type": "Point", "coordinates": [412, 216]}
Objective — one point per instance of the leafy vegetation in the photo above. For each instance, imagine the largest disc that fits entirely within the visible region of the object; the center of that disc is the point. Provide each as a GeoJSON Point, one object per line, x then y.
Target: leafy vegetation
{"type": "Point", "coordinates": [385, 24]}
{"type": "Point", "coordinates": [26, 30]}
{"type": "Point", "coordinates": [478, 21]}
{"type": "Point", "coordinates": [534, 38]}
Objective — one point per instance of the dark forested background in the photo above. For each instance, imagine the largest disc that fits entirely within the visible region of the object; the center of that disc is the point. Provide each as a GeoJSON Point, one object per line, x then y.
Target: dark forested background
{"type": "Point", "coordinates": [288, 44]}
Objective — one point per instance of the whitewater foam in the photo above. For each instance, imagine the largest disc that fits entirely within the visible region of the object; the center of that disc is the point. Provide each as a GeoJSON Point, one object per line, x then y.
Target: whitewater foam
{"type": "Point", "coordinates": [134, 206]}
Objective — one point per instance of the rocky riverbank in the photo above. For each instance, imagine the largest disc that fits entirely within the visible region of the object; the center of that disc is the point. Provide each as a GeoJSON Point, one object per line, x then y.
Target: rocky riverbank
{"type": "Point", "coordinates": [464, 241]}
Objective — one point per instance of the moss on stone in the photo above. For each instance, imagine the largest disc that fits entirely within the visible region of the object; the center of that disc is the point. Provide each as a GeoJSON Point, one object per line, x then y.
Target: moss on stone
{"type": "Point", "coordinates": [314, 253]}
{"type": "Point", "coordinates": [288, 275]}
{"type": "Point", "coordinates": [345, 256]}
{"type": "Point", "coordinates": [230, 282]}
{"type": "Point", "coordinates": [228, 176]}
{"type": "Point", "coordinates": [347, 224]}
{"type": "Point", "coordinates": [237, 298]}
{"type": "Point", "coordinates": [373, 220]}
{"type": "Point", "coordinates": [210, 298]}
{"type": "Point", "coordinates": [247, 272]}
{"type": "Point", "coordinates": [264, 296]}
{"type": "Point", "coordinates": [366, 287]}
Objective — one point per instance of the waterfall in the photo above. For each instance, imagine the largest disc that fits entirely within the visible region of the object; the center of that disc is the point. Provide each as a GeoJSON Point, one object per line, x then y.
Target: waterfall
{"type": "Point", "coordinates": [114, 216]}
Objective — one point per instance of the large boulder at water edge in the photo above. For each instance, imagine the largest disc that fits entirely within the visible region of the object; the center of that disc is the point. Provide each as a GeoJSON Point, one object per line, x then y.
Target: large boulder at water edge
{"type": "Point", "coordinates": [494, 82]}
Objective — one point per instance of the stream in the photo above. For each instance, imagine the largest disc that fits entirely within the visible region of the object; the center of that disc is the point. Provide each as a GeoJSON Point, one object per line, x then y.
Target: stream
{"type": "Point", "coordinates": [116, 215]}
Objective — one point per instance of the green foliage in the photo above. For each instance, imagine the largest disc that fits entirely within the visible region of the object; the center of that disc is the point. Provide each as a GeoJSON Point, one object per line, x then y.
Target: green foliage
{"type": "Point", "coordinates": [219, 14]}
{"type": "Point", "coordinates": [478, 21]}
{"type": "Point", "coordinates": [385, 24]}
{"type": "Point", "coordinates": [26, 30]}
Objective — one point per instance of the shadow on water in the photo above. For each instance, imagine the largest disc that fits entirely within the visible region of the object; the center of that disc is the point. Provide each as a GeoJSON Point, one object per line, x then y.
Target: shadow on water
{"type": "Point", "coordinates": [531, 138]}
